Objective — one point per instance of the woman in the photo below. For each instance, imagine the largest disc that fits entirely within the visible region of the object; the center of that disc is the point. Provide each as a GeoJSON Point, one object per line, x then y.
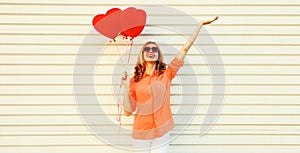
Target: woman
{"type": "Point", "coordinates": [148, 93]}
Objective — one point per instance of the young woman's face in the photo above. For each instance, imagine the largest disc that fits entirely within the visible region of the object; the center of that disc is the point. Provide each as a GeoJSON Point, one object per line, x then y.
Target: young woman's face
{"type": "Point", "coordinates": [150, 53]}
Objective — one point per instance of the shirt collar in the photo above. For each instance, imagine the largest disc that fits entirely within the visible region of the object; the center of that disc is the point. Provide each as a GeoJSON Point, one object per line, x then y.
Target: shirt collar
{"type": "Point", "coordinates": [155, 73]}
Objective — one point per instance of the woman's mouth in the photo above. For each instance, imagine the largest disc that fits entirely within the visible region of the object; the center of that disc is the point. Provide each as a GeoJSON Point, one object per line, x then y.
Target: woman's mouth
{"type": "Point", "coordinates": [151, 56]}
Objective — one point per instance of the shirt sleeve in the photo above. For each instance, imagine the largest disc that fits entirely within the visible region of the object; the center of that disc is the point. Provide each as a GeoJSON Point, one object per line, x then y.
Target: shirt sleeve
{"type": "Point", "coordinates": [132, 95]}
{"type": "Point", "coordinates": [174, 66]}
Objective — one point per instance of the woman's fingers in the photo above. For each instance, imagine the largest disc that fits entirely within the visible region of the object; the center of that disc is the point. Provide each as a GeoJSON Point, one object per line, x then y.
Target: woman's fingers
{"type": "Point", "coordinates": [124, 75]}
{"type": "Point", "coordinates": [209, 21]}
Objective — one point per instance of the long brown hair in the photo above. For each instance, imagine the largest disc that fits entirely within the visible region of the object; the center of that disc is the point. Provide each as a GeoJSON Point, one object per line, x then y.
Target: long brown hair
{"type": "Point", "coordinates": [140, 67]}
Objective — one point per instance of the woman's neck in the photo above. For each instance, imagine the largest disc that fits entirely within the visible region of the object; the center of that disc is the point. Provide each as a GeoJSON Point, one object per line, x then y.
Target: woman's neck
{"type": "Point", "coordinates": [150, 67]}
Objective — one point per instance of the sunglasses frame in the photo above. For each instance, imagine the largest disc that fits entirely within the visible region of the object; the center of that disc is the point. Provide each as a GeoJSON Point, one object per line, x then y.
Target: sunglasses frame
{"type": "Point", "coordinates": [154, 49]}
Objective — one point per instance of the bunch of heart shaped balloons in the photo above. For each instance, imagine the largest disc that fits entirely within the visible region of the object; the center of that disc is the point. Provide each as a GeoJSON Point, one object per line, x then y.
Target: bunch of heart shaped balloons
{"type": "Point", "coordinates": [129, 23]}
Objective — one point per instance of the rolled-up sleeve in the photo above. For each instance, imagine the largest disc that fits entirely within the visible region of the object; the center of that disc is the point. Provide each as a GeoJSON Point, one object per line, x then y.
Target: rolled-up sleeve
{"type": "Point", "coordinates": [173, 68]}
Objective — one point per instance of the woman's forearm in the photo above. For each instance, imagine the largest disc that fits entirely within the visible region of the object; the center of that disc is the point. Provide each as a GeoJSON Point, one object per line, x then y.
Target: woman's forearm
{"type": "Point", "coordinates": [126, 104]}
{"type": "Point", "coordinates": [189, 43]}
{"type": "Point", "coordinates": [192, 39]}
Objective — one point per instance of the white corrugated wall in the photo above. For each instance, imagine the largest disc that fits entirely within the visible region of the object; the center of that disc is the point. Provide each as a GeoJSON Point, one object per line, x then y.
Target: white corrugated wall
{"type": "Point", "coordinates": [259, 42]}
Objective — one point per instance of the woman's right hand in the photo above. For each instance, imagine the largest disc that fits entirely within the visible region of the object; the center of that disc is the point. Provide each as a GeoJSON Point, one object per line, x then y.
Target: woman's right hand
{"type": "Point", "coordinates": [124, 75]}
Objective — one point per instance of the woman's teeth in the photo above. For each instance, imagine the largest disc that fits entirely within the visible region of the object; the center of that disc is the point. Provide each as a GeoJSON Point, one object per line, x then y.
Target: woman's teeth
{"type": "Point", "coordinates": [151, 56]}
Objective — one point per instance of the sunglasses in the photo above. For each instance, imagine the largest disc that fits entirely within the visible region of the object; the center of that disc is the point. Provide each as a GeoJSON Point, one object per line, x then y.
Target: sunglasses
{"type": "Point", "coordinates": [154, 49]}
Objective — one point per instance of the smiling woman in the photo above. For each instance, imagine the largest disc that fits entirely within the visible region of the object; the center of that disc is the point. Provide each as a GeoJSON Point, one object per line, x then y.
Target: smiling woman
{"type": "Point", "coordinates": [149, 94]}
{"type": "Point", "coordinates": [150, 53]}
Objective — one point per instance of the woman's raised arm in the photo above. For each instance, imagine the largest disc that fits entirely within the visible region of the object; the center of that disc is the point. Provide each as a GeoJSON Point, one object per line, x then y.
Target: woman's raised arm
{"type": "Point", "coordinates": [191, 40]}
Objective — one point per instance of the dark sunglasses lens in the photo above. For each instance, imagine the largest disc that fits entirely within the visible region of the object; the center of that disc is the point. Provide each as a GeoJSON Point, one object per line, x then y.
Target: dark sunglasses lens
{"type": "Point", "coordinates": [147, 49]}
{"type": "Point", "coordinates": [154, 49]}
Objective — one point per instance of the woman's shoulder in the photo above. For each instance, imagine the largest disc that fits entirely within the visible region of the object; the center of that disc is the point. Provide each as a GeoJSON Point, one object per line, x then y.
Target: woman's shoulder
{"type": "Point", "coordinates": [131, 80]}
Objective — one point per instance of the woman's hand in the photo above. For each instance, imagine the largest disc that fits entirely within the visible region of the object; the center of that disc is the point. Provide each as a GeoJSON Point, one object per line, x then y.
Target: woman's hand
{"type": "Point", "coordinates": [209, 21]}
{"type": "Point", "coordinates": [124, 75]}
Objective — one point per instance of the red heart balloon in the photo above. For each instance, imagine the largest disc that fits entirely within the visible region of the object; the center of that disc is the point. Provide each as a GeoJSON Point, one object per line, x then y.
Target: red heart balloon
{"type": "Point", "coordinates": [133, 22]}
{"type": "Point", "coordinates": [108, 24]}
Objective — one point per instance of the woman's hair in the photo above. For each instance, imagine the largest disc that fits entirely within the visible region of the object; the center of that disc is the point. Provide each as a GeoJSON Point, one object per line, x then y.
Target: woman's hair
{"type": "Point", "coordinates": [140, 67]}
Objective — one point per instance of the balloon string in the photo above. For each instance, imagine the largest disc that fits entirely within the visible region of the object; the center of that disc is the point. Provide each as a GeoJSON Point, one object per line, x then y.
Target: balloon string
{"type": "Point", "coordinates": [120, 108]}
{"type": "Point", "coordinates": [119, 115]}
{"type": "Point", "coordinates": [130, 51]}
{"type": "Point", "coordinates": [119, 104]}
{"type": "Point", "coordinates": [119, 53]}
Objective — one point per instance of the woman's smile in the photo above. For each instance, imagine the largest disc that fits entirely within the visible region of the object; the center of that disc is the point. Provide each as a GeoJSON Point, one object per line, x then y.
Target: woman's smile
{"type": "Point", "coordinates": [150, 55]}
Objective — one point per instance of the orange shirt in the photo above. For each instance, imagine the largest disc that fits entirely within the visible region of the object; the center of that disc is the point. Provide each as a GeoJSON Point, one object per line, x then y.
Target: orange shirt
{"type": "Point", "coordinates": [150, 97]}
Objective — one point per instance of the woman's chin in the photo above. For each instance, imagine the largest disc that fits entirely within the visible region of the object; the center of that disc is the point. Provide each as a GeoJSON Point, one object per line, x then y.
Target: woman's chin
{"type": "Point", "coordinates": [151, 60]}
